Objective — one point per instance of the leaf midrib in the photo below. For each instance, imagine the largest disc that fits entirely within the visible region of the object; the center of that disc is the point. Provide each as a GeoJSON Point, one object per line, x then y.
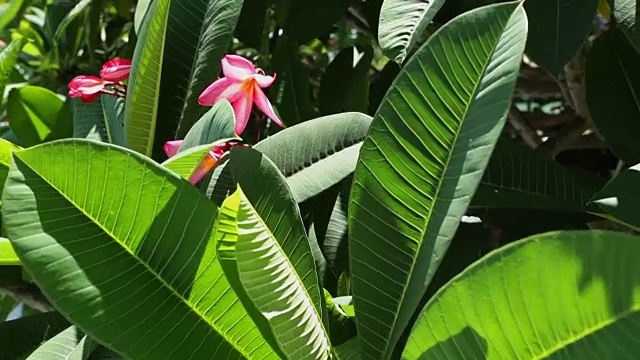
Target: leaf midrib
{"type": "Point", "coordinates": [137, 258]}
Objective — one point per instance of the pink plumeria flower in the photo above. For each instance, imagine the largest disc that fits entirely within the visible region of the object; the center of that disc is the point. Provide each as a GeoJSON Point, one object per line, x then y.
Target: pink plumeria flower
{"type": "Point", "coordinates": [171, 148]}
{"type": "Point", "coordinates": [241, 86]}
{"type": "Point", "coordinates": [87, 88]}
{"type": "Point", "coordinates": [116, 70]}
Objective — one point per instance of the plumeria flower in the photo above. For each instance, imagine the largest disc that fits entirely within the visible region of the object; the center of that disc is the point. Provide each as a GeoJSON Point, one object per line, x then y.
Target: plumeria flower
{"type": "Point", "coordinates": [241, 86]}
{"type": "Point", "coordinates": [171, 148]}
{"type": "Point", "coordinates": [87, 88]}
{"type": "Point", "coordinates": [116, 70]}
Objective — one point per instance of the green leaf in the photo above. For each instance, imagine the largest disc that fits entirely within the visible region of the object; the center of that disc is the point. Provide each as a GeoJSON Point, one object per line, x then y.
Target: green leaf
{"type": "Point", "coordinates": [341, 326]}
{"type": "Point", "coordinates": [113, 108]}
{"type": "Point", "coordinates": [69, 17]}
{"type": "Point", "coordinates": [217, 124]}
{"type": "Point", "coordinates": [250, 27]}
{"type": "Point", "coordinates": [100, 120]}
{"type": "Point", "coordinates": [88, 121]}
{"type": "Point", "coordinates": [142, 9]}
{"type": "Point", "coordinates": [18, 338]}
{"type": "Point", "coordinates": [8, 12]}
{"type": "Point", "coordinates": [69, 344]}
{"type": "Point", "coordinates": [139, 221]}
{"type": "Point", "coordinates": [271, 281]}
{"type": "Point", "coordinates": [422, 161]}
{"type": "Point", "coordinates": [317, 154]}
{"type": "Point", "coordinates": [349, 350]}
{"type": "Point", "coordinates": [581, 303]}
{"type": "Point", "coordinates": [271, 198]}
{"type": "Point", "coordinates": [292, 86]}
{"type": "Point", "coordinates": [557, 30]}
{"type": "Point", "coordinates": [612, 80]}
{"type": "Point", "coordinates": [6, 148]}
{"type": "Point", "coordinates": [37, 115]}
{"type": "Point", "coordinates": [624, 12]}
{"type": "Point", "coordinates": [199, 34]}
{"type": "Point", "coordinates": [141, 109]}
{"type": "Point", "coordinates": [518, 176]}
{"type": "Point", "coordinates": [402, 23]}
{"type": "Point", "coordinates": [7, 255]}
{"type": "Point", "coordinates": [345, 83]}
{"type": "Point", "coordinates": [619, 199]}
{"type": "Point", "coordinates": [8, 59]}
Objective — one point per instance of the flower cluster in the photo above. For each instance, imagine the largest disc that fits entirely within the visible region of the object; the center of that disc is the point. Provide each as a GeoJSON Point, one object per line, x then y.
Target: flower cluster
{"type": "Point", "coordinates": [241, 85]}
{"type": "Point", "coordinates": [112, 75]}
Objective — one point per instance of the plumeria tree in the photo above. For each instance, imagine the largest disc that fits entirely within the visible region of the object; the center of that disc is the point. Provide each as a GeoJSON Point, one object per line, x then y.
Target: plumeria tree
{"type": "Point", "coordinates": [397, 179]}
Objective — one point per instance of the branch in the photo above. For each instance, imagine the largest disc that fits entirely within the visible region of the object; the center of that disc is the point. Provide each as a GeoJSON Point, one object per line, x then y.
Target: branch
{"type": "Point", "coordinates": [29, 294]}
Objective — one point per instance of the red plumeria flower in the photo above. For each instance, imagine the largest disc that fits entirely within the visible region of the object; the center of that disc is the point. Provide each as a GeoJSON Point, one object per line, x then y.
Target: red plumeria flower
{"type": "Point", "coordinates": [87, 88]}
{"type": "Point", "coordinates": [171, 148]}
{"type": "Point", "coordinates": [116, 70]}
{"type": "Point", "coordinates": [241, 85]}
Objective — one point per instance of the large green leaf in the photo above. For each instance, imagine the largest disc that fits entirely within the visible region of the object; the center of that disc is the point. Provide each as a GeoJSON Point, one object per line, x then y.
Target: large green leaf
{"type": "Point", "coordinates": [272, 282]}
{"type": "Point", "coordinates": [402, 23]}
{"type": "Point", "coordinates": [20, 337]}
{"type": "Point", "coordinates": [37, 114]}
{"type": "Point", "coordinates": [619, 198]}
{"type": "Point", "coordinates": [612, 79]}
{"type": "Point", "coordinates": [8, 59]}
{"type": "Point", "coordinates": [199, 35]}
{"type": "Point", "coordinates": [520, 177]}
{"type": "Point", "coordinates": [317, 154]}
{"type": "Point", "coordinates": [139, 221]}
{"type": "Point", "coordinates": [273, 201]}
{"type": "Point", "coordinates": [580, 303]}
{"type": "Point", "coordinates": [141, 110]}
{"type": "Point", "coordinates": [557, 30]}
{"type": "Point", "coordinates": [422, 161]}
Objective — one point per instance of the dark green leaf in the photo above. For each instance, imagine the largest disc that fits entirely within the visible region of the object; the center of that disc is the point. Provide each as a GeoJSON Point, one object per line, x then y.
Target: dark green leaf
{"type": "Point", "coordinates": [345, 83]}
{"type": "Point", "coordinates": [612, 78]}
{"type": "Point", "coordinates": [18, 338]}
{"type": "Point", "coordinates": [557, 30]}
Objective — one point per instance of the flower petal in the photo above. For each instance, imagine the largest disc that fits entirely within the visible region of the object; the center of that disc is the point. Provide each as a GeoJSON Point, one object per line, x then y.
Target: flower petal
{"type": "Point", "coordinates": [171, 147]}
{"type": "Point", "coordinates": [87, 84]}
{"type": "Point", "coordinates": [89, 98]}
{"type": "Point", "coordinates": [214, 92]}
{"type": "Point", "coordinates": [263, 104]}
{"type": "Point", "coordinates": [242, 109]}
{"type": "Point", "coordinates": [116, 69]}
{"type": "Point", "coordinates": [211, 94]}
{"type": "Point", "coordinates": [264, 80]}
{"type": "Point", "coordinates": [237, 68]}
{"type": "Point", "coordinates": [205, 166]}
